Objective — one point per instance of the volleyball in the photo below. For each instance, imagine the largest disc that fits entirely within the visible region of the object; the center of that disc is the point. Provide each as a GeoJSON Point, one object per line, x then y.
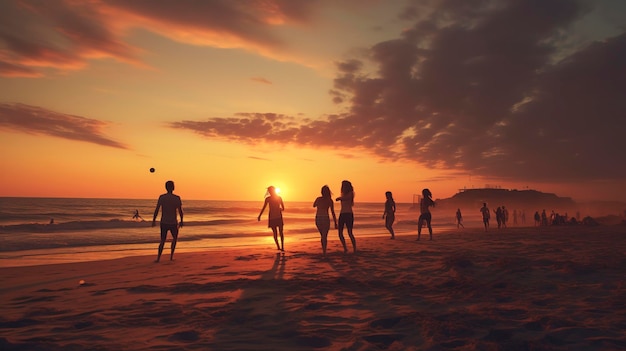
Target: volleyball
{"type": "Point", "coordinates": [151, 170]}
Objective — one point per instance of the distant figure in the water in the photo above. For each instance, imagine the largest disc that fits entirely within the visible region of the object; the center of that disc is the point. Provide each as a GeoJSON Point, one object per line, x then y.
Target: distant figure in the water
{"type": "Point", "coordinates": [459, 218]}
{"type": "Point", "coordinates": [171, 204]}
{"type": "Point", "coordinates": [322, 220]}
{"type": "Point", "coordinates": [275, 217]}
{"type": "Point", "coordinates": [390, 213]}
{"type": "Point", "coordinates": [486, 215]}
{"type": "Point", "coordinates": [136, 216]}
{"type": "Point", "coordinates": [425, 215]}
{"type": "Point", "coordinates": [523, 215]}
{"type": "Point", "coordinates": [505, 216]}
{"type": "Point", "coordinates": [346, 216]}
{"type": "Point", "coordinates": [544, 218]}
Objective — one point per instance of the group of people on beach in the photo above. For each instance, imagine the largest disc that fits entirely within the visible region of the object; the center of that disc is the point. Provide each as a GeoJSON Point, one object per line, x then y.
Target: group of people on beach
{"type": "Point", "coordinates": [171, 205]}
{"type": "Point", "coordinates": [502, 216]}
{"type": "Point", "coordinates": [326, 208]}
{"type": "Point", "coordinates": [324, 205]}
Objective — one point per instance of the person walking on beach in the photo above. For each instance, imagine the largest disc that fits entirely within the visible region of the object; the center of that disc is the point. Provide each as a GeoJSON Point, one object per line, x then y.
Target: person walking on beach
{"type": "Point", "coordinates": [486, 215]}
{"type": "Point", "coordinates": [170, 204]}
{"type": "Point", "coordinates": [425, 215]}
{"type": "Point", "coordinates": [390, 213]}
{"type": "Point", "coordinates": [346, 217]}
{"type": "Point", "coordinates": [322, 220]}
{"type": "Point", "coordinates": [459, 218]}
{"type": "Point", "coordinates": [275, 217]}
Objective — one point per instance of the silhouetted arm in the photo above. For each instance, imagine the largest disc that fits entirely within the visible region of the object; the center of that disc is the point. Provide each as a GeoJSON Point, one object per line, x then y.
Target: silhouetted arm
{"type": "Point", "coordinates": [180, 213]}
{"type": "Point", "coordinates": [332, 211]}
{"type": "Point", "coordinates": [263, 209]}
{"type": "Point", "coordinates": [156, 212]}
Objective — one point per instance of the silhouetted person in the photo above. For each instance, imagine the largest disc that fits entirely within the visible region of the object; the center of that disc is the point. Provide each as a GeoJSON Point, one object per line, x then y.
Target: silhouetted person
{"type": "Point", "coordinates": [169, 203]}
{"type": "Point", "coordinates": [425, 215]}
{"type": "Point", "coordinates": [505, 216]}
{"type": "Point", "coordinates": [137, 216]}
{"type": "Point", "coordinates": [498, 212]}
{"type": "Point", "coordinates": [486, 215]}
{"type": "Point", "coordinates": [275, 217]}
{"type": "Point", "coordinates": [537, 219]}
{"type": "Point", "coordinates": [544, 218]}
{"type": "Point", "coordinates": [523, 217]}
{"type": "Point", "coordinates": [390, 213]}
{"type": "Point", "coordinates": [346, 217]}
{"type": "Point", "coordinates": [322, 220]}
{"type": "Point", "coordinates": [459, 218]}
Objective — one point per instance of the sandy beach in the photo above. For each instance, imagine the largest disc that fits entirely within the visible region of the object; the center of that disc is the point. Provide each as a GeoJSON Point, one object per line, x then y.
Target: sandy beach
{"type": "Point", "coordinates": [553, 288]}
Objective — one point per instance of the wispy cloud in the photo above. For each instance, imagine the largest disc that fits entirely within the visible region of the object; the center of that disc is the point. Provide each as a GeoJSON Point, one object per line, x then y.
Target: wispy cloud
{"type": "Point", "coordinates": [258, 158]}
{"type": "Point", "coordinates": [474, 86]}
{"type": "Point", "coordinates": [261, 80]}
{"type": "Point", "coordinates": [37, 120]}
{"type": "Point", "coordinates": [65, 35]}
{"type": "Point", "coordinates": [59, 35]}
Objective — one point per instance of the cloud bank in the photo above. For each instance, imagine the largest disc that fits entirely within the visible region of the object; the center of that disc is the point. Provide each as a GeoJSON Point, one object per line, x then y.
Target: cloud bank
{"type": "Point", "coordinates": [40, 121]}
{"type": "Point", "coordinates": [492, 88]}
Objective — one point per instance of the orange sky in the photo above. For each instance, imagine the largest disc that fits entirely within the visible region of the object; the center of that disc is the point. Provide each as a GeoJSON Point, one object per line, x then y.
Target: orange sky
{"type": "Point", "coordinates": [226, 99]}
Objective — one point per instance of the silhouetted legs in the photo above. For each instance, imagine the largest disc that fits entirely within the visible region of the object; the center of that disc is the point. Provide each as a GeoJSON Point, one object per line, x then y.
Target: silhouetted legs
{"type": "Point", "coordinates": [174, 241]}
{"type": "Point", "coordinates": [323, 226]}
{"type": "Point", "coordinates": [279, 230]}
{"type": "Point", "coordinates": [173, 228]}
{"type": "Point", "coordinates": [347, 220]}
{"type": "Point", "coordinates": [389, 225]}
{"type": "Point", "coordinates": [424, 217]}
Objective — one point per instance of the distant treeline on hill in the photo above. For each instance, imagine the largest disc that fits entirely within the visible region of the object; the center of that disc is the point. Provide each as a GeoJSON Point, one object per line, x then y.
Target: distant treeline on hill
{"type": "Point", "coordinates": [520, 199]}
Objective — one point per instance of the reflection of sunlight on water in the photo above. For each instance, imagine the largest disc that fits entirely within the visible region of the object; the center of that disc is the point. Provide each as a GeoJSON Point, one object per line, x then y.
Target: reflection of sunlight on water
{"type": "Point", "coordinates": [269, 240]}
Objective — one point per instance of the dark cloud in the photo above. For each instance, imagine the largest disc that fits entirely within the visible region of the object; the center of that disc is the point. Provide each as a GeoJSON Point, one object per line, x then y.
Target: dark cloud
{"type": "Point", "coordinates": [37, 120]}
{"type": "Point", "coordinates": [482, 87]}
{"type": "Point", "coordinates": [246, 127]}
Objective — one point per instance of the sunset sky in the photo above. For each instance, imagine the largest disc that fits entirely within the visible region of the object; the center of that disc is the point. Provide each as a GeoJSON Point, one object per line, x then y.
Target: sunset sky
{"type": "Point", "coordinates": [228, 97]}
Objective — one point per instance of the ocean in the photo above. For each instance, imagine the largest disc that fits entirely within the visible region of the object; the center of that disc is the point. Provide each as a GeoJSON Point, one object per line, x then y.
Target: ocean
{"type": "Point", "coordinates": [58, 230]}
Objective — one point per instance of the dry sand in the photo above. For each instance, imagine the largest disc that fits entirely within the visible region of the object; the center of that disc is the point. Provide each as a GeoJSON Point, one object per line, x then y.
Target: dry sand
{"type": "Point", "coordinates": [557, 288]}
